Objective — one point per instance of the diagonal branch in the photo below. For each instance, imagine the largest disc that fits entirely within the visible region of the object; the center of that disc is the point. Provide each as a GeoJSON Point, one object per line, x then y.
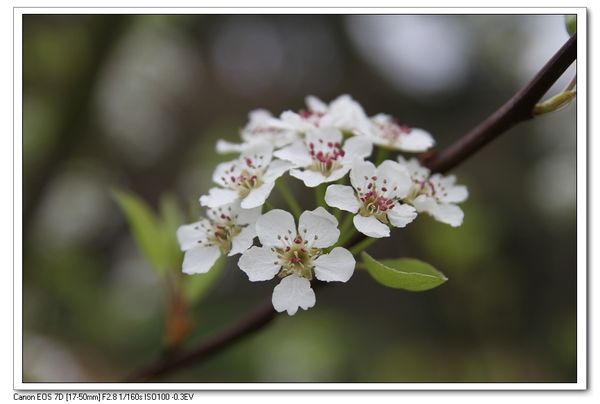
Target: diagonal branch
{"type": "Point", "coordinates": [253, 322]}
{"type": "Point", "coordinates": [517, 109]}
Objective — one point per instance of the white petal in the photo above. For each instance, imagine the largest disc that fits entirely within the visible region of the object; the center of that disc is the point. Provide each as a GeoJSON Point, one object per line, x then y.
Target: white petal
{"type": "Point", "coordinates": [396, 177]}
{"type": "Point", "coordinates": [446, 191]}
{"type": "Point", "coordinates": [337, 266]}
{"type": "Point", "coordinates": [325, 214]}
{"type": "Point", "coordinates": [310, 178]}
{"type": "Point", "coordinates": [370, 226]}
{"type": "Point", "coordinates": [456, 194]}
{"type": "Point", "coordinates": [200, 259]}
{"type": "Point", "coordinates": [416, 170]}
{"type": "Point", "coordinates": [257, 196]}
{"type": "Point", "coordinates": [449, 214]}
{"type": "Point", "coordinates": [296, 153]}
{"type": "Point", "coordinates": [259, 263]}
{"type": "Point", "coordinates": [424, 203]}
{"type": "Point", "coordinates": [259, 152]}
{"type": "Point", "coordinates": [218, 197]}
{"type": "Point", "coordinates": [315, 105]}
{"type": "Point", "coordinates": [360, 173]}
{"type": "Point", "coordinates": [243, 240]}
{"type": "Point", "coordinates": [224, 147]}
{"type": "Point", "coordinates": [418, 140]}
{"type": "Point", "coordinates": [323, 136]}
{"type": "Point", "coordinates": [276, 169]}
{"type": "Point", "coordinates": [401, 215]}
{"type": "Point", "coordinates": [245, 216]}
{"type": "Point", "coordinates": [342, 197]}
{"type": "Point", "coordinates": [345, 113]}
{"type": "Point", "coordinates": [358, 146]}
{"type": "Point", "coordinates": [293, 292]}
{"type": "Point", "coordinates": [221, 175]}
{"type": "Point", "coordinates": [188, 235]}
{"type": "Point", "coordinates": [273, 226]}
{"type": "Point", "coordinates": [338, 173]}
{"type": "Point", "coordinates": [295, 121]}
{"type": "Point", "coordinates": [317, 230]}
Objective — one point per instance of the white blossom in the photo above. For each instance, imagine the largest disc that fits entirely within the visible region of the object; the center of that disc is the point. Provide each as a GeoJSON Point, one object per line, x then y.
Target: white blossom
{"type": "Point", "coordinates": [261, 127]}
{"type": "Point", "coordinates": [343, 113]}
{"type": "Point", "coordinates": [250, 178]}
{"type": "Point", "coordinates": [227, 230]}
{"type": "Point", "coordinates": [296, 255]}
{"type": "Point", "coordinates": [375, 196]}
{"type": "Point", "coordinates": [320, 157]}
{"type": "Point", "coordinates": [435, 194]}
{"type": "Point", "coordinates": [385, 131]}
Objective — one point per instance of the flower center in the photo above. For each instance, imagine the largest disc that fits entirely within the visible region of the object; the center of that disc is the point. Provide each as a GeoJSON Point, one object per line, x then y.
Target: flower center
{"type": "Point", "coordinates": [246, 178]}
{"type": "Point", "coordinates": [297, 257]}
{"type": "Point", "coordinates": [326, 156]}
{"type": "Point", "coordinates": [421, 187]}
{"type": "Point", "coordinates": [220, 233]}
{"type": "Point", "coordinates": [376, 200]}
{"type": "Point", "coordinates": [392, 131]}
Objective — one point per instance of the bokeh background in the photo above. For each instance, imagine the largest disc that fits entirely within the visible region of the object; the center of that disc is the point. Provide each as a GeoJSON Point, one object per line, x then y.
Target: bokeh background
{"type": "Point", "coordinates": [139, 101]}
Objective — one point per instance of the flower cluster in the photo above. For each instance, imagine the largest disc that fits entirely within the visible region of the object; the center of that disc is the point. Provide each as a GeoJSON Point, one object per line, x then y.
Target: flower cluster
{"type": "Point", "coordinates": [322, 144]}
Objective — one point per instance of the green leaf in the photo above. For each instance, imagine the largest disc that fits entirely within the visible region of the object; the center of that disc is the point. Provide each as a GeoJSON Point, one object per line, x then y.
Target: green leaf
{"type": "Point", "coordinates": [147, 230]}
{"type": "Point", "coordinates": [172, 218]}
{"type": "Point", "coordinates": [571, 24]}
{"type": "Point", "coordinates": [197, 285]}
{"type": "Point", "coordinates": [404, 273]}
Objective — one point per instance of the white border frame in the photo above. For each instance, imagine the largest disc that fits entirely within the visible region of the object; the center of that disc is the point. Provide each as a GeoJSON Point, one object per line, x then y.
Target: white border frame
{"type": "Point", "coordinates": [582, 262]}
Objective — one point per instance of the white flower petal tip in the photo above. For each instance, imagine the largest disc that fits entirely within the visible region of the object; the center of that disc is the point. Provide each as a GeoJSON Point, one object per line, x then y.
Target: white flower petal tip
{"type": "Point", "coordinates": [225, 147]}
{"type": "Point", "coordinates": [337, 266]}
{"type": "Point", "coordinates": [218, 197]}
{"type": "Point", "coordinates": [200, 260]}
{"type": "Point", "coordinates": [370, 226]}
{"type": "Point", "coordinates": [318, 228]}
{"type": "Point", "coordinates": [401, 215]}
{"type": "Point", "coordinates": [292, 293]}
{"type": "Point", "coordinates": [259, 263]}
{"type": "Point", "coordinates": [342, 197]}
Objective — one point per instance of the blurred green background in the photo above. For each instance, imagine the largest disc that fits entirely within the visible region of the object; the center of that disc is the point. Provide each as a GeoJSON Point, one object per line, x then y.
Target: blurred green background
{"type": "Point", "coordinates": [139, 101]}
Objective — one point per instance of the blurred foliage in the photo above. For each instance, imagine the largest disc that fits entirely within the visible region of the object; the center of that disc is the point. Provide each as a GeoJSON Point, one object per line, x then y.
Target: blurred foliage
{"type": "Point", "coordinates": [571, 24]}
{"type": "Point", "coordinates": [137, 103]}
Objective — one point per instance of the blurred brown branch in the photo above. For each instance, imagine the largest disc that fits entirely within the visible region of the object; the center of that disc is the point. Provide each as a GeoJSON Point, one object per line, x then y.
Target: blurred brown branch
{"type": "Point", "coordinates": [517, 109]}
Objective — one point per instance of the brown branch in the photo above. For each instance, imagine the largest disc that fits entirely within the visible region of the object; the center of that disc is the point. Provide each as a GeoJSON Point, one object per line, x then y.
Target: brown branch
{"type": "Point", "coordinates": [253, 322]}
{"type": "Point", "coordinates": [518, 109]}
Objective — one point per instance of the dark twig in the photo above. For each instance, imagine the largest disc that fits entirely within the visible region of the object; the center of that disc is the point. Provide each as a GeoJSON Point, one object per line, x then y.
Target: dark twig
{"type": "Point", "coordinates": [518, 109]}
{"type": "Point", "coordinates": [254, 321]}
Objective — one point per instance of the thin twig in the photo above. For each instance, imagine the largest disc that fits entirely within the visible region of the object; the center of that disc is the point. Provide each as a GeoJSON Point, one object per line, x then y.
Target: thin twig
{"type": "Point", "coordinates": [518, 109]}
{"type": "Point", "coordinates": [254, 321]}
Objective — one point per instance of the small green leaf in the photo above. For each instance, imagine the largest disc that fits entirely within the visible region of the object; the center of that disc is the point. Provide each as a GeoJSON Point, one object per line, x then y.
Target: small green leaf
{"type": "Point", "coordinates": [404, 273]}
{"type": "Point", "coordinates": [147, 230]}
{"type": "Point", "coordinates": [571, 24]}
{"type": "Point", "coordinates": [195, 286]}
